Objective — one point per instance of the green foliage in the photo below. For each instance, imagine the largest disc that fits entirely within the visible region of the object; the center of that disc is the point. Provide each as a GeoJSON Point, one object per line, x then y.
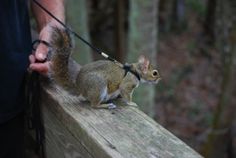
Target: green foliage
{"type": "Point", "coordinates": [197, 6]}
{"type": "Point", "coordinates": [196, 108]}
{"type": "Point", "coordinates": [192, 45]}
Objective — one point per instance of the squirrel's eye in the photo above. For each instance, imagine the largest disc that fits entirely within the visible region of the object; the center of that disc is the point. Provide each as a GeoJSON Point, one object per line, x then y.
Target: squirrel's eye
{"type": "Point", "coordinates": [154, 73]}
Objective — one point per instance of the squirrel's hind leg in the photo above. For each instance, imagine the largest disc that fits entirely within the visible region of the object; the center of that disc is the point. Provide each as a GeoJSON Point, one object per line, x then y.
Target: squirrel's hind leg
{"type": "Point", "coordinates": [99, 105]}
{"type": "Point", "coordinates": [97, 100]}
{"type": "Point", "coordinates": [105, 106]}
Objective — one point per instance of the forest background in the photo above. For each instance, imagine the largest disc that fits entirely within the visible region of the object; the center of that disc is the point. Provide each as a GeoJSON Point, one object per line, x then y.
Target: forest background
{"type": "Point", "coordinates": [193, 44]}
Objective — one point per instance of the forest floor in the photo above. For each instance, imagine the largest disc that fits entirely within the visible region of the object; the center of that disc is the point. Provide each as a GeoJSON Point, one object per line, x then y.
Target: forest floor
{"type": "Point", "coordinates": [190, 88]}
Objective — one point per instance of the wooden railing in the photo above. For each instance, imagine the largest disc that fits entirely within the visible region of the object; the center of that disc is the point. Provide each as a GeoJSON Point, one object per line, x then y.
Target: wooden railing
{"type": "Point", "coordinates": [75, 130]}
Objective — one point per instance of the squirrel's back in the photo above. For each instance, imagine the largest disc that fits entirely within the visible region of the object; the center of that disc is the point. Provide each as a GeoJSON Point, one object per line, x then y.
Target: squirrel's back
{"type": "Point", "coordinates": [102, 73]}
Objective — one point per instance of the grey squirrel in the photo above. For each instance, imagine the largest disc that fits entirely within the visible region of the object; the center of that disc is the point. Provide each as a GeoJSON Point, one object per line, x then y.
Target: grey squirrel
{"type": "Point", "coordinates": [101, 80]}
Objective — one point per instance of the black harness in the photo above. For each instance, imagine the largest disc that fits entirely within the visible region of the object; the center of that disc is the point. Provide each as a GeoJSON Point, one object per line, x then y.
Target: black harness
{"type": "Point", "coordinates": [127, 69]}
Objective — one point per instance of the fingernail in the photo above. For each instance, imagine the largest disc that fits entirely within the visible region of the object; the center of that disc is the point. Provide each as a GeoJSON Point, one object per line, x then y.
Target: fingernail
{"type": "Point", "coordinates": [41, 56]}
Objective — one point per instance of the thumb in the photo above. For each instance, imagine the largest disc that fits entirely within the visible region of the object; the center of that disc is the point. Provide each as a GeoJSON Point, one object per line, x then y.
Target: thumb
{"type": "Point", "coordinates": [41, 52]}
{"type": "Point", "coordinates": [42, 49]}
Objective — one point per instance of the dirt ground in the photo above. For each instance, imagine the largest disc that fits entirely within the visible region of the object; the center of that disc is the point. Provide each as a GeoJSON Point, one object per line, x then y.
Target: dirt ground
{"type": "Point", "coordinates": [190, 88]}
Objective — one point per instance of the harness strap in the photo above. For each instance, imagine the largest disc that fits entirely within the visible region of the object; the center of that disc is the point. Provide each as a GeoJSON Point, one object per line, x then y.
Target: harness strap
{"type": "Point", "coordinates": [127, 69]}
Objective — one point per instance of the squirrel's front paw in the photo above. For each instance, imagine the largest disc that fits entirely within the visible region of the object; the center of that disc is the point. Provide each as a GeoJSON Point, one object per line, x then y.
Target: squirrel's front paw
{"type": "Point", "coordinates": [111, 106]}
{"type": "Point", "coordinates": [106, 106]}
{"type": "Point", "coordinates": [132, 104]}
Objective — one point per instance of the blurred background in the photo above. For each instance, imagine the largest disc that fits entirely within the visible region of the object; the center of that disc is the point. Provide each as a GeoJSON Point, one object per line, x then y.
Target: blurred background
{"type": "Point", "coordinates": [193, 44]}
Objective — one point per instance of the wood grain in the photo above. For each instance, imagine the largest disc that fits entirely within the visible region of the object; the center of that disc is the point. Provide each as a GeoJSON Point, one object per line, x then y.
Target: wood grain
{"type": "Point", "coordinates": [75, 130]}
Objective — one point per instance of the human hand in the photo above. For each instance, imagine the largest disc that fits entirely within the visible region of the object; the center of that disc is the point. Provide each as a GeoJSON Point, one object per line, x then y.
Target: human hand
{"type": "Point", "coordinates": [38, 59]}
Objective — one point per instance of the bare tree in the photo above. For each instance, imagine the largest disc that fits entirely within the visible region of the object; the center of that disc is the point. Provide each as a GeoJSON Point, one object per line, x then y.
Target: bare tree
{"type": "Point", "coordinates": [143, 40]}
{"type": "Point", "coordinates": [76, 14]}
{"type": "Point", "coordinates": [120, 29]}
{"type": "Point", "coordinates": [219, 142]}
{"type": "Point", "coordinates": [210, 21]}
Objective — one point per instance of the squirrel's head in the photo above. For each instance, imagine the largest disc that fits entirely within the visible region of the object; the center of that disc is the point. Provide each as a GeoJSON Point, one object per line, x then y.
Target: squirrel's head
{"type": "Point", "coordinates": [146, 71]}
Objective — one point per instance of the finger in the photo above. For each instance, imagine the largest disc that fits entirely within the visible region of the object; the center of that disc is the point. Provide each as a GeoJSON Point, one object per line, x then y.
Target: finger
{"type": "Point", "coordinates": [42, 49]}
{"type": "Point", "coordinates": [42, 68]}
{"type": "Point", "coordinates": [41, 52]}
{"type": "Point", "coordinates": [32, 59]}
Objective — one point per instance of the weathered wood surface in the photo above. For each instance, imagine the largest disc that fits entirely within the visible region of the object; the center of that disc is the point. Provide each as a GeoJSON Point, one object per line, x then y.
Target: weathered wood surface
{"type": "Point", "coordinates": [75, 130]}
{"type": "Point", "coordinates": [60, 142]}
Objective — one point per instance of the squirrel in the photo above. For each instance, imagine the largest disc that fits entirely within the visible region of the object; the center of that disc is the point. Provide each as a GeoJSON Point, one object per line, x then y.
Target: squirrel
{"type": "Point", "coordinates": [99, 81]}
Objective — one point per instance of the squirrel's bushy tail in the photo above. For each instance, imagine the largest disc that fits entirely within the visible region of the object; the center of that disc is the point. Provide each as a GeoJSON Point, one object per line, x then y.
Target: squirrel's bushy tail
{"type": "Point", "coordinates": [62, 45]}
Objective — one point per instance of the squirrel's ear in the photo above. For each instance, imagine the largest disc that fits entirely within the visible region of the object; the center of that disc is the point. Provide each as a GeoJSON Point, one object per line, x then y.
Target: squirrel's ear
{"type": "Point", "coordinates": [144, 63]}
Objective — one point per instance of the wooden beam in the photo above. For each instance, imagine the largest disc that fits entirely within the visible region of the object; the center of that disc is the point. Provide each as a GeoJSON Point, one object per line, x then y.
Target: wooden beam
{"type": "Point", "coordinates": [74, 130]}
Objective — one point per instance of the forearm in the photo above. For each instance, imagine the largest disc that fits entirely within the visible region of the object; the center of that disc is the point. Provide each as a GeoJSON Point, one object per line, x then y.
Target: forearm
{"type": "Point", "coordinates": [56, 7]}
{"type": "Point", "coordinates": [44, 23]}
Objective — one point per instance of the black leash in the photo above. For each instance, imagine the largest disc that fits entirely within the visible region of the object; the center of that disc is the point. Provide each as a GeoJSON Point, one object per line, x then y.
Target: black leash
{"type": "Point", "coordinates": [78, 36]}
{"type": "Point", "coordinates": [34, 111]}
{"type": "Point", "coordinates": [126, 67]}
{"type": "Point", "coordinates": [34, 117]}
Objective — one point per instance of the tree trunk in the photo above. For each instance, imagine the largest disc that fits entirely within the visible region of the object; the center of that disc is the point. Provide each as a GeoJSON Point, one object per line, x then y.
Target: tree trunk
{"type": "Point", "coordinates": [119, 30]}
{"type": "Point", "coordinates": [210, 19]}
{"type": "Point", "coordinates": [219, 143]}
{"type": "Point", "coordinates": [77, 17]}
{"type": "Point", "coordinates": [143, 40]}
{"type": "Point", "coordinates": [178, 15]}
